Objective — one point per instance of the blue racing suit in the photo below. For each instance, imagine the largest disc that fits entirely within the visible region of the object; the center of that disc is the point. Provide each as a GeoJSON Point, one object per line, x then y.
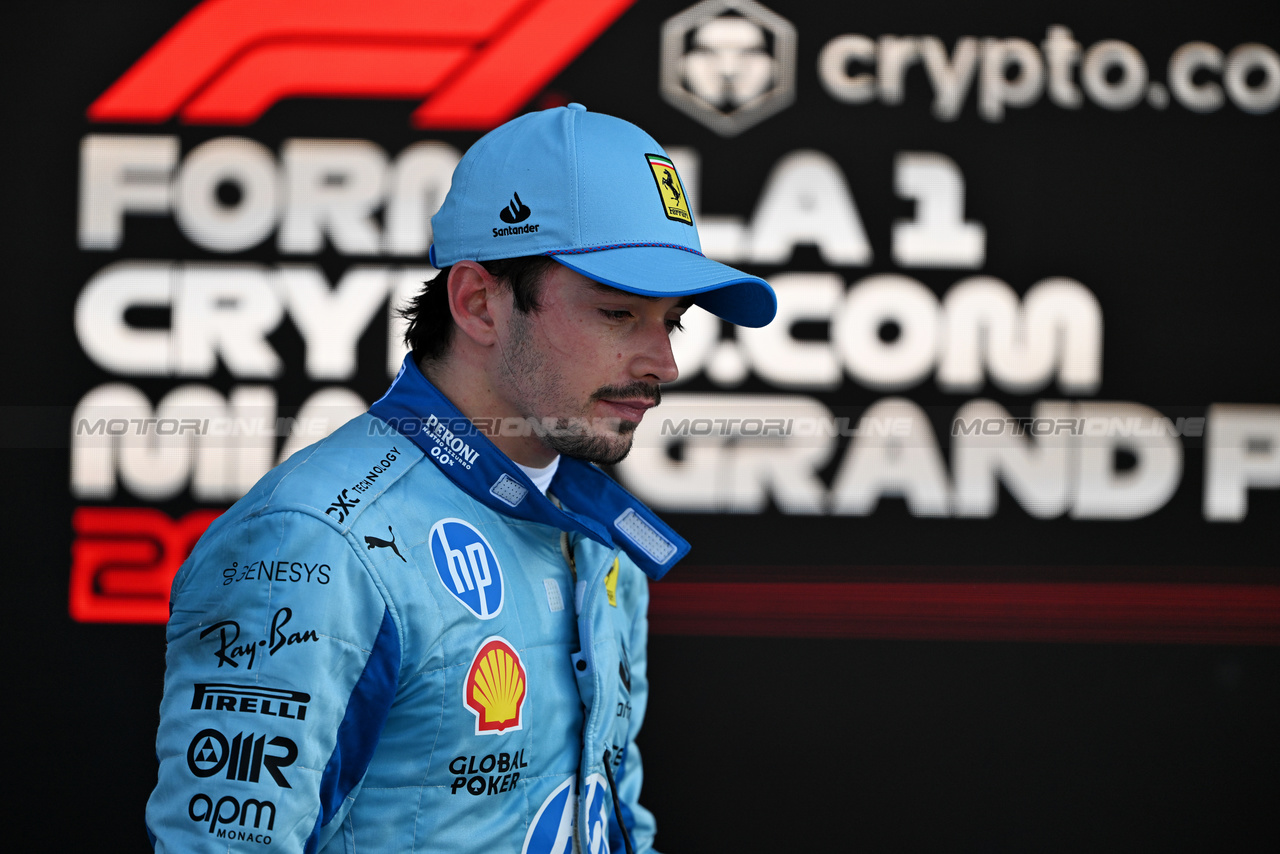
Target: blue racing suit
{"type": "Point", "coordinates": [385, 646]}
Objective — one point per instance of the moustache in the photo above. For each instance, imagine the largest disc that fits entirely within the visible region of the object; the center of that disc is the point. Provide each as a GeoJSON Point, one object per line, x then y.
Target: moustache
{"type": "Point", "coordinates": [630, 391]}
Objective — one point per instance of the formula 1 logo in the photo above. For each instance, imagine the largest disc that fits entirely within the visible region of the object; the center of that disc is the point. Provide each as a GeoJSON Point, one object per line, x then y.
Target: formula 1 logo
{"type": "Point", "coordinates": [228, 61]}
{"type": "Point", "coordinates": [730, 64]}
{"type": "Point", "coordinates": [467, 566]}
{"type": "Point", "coordinates": [124, 559]}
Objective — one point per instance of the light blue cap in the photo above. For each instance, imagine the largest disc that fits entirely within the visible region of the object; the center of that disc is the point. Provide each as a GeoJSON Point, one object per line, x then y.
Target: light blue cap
{"type": "Point", "coordinates": [597, 194]}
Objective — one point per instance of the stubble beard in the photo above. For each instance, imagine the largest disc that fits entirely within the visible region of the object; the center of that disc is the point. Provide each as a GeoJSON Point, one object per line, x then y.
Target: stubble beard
{"type": "Point", "coordinates": [604, 441]}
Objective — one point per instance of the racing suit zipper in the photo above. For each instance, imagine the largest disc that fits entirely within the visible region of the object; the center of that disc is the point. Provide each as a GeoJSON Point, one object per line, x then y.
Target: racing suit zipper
{"type": "Point", "coordinates": [566, 549]}
{"type": "Point", "coordinates": [617, 805]}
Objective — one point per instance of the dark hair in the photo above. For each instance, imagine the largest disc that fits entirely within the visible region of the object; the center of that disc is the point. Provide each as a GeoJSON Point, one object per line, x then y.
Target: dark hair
{"type": "Point", "coordinates": [430, 321]}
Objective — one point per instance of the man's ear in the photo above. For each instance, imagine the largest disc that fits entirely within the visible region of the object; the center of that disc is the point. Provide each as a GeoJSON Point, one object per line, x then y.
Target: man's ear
{"type": "Point", "coordinates": [474, 295]}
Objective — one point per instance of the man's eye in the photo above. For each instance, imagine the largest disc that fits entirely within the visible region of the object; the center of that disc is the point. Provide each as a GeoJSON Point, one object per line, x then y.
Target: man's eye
{"type": "Point", "coordinates": [616, 314]}
{"type": "Point", "coordinates": [674, 325]}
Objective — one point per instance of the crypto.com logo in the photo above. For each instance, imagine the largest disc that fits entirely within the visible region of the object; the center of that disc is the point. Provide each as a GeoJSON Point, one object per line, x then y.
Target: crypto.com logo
{"type": "Point", "coordinates": [729, 64]}
{"type": "Point", "coordinates": [228, 61]}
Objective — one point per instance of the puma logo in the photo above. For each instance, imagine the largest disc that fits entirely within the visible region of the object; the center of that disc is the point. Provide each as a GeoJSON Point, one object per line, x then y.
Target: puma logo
{"type": "Point", "coordinates": [378, 543]}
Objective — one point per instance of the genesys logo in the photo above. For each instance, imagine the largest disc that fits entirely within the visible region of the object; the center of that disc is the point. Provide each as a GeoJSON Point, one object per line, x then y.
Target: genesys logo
{"type": "Point", "coordinates": [271, 571]}
{"type": "Point", "coordinates": [731, 64]}
{"type": "Point", "coordinates": [473, 65]}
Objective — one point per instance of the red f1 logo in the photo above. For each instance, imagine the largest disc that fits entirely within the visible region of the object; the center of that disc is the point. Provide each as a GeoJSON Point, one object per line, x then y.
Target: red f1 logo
{"type": "Point", "coordinates": [124, 559]}
{"type": "Point", "coordinates": [228, 61]}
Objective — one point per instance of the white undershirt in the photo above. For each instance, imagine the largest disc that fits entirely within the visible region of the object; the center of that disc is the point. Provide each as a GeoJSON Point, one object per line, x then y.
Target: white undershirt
{"type": "Point", "coordinates": [542, 477]}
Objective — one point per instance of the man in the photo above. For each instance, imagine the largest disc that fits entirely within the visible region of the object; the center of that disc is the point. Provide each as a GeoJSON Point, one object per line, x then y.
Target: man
{"type": "Point", "coordinates": [427, 632]}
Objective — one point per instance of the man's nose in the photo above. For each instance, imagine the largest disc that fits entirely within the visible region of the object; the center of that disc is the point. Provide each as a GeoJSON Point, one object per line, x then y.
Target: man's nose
{"type": "Point", "coordinates": [656, 359]}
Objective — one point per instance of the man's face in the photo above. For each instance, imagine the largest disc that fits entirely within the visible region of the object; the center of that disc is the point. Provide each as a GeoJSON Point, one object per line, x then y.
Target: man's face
{"type": "Point", "coordinates": [587, 363]}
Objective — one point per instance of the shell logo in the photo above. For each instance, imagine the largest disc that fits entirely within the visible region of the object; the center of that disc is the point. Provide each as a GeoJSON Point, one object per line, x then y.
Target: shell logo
{"type": "Point", "coordinates": [495, 687]}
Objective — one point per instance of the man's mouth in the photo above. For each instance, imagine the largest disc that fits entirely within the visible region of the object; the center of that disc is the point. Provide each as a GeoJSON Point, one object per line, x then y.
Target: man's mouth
{"type": "Point", "coordinates": [629, 402]}
{"type": "Point", "coordinates": [629, 409]}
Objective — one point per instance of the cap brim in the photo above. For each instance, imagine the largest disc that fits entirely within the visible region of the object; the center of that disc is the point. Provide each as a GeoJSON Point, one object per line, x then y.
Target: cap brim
{"type": "Point", "coordinates": [660, 271]}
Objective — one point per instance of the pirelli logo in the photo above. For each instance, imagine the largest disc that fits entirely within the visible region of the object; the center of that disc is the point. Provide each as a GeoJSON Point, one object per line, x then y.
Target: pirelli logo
{"type": "Point", "coordinates": [250, 699]}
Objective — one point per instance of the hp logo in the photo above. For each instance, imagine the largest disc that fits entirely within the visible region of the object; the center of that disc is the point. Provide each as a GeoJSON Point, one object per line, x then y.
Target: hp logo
{"type": "Point", "coordinates": [467, 567]}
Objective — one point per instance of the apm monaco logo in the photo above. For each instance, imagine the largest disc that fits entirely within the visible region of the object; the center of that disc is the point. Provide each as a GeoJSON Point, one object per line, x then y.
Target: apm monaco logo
{"type": "Point", "coordinates": [467, 567]}
{"type": "Point", "coordinates": [730, 64]}
{"type": "Point", "coordinates": [475, 64]}
{"type": "Point", "coordinates": [495, 688]}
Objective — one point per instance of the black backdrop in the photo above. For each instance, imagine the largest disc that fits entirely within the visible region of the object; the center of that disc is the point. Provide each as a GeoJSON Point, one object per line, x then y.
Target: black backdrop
{"type": "Point", "coordinates": [1167, 216]}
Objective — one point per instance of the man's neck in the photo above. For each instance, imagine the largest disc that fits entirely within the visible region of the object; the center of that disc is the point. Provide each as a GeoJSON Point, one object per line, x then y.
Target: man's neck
{"type": "Point", "coordinates": [542, 477]}
{"type": "Point", "coordinates": [468, 388]}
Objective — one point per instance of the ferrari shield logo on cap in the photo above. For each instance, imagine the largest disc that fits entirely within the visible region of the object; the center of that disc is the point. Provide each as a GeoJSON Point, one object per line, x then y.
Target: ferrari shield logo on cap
{"type": "Point", "coordinates": [674, 203]}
